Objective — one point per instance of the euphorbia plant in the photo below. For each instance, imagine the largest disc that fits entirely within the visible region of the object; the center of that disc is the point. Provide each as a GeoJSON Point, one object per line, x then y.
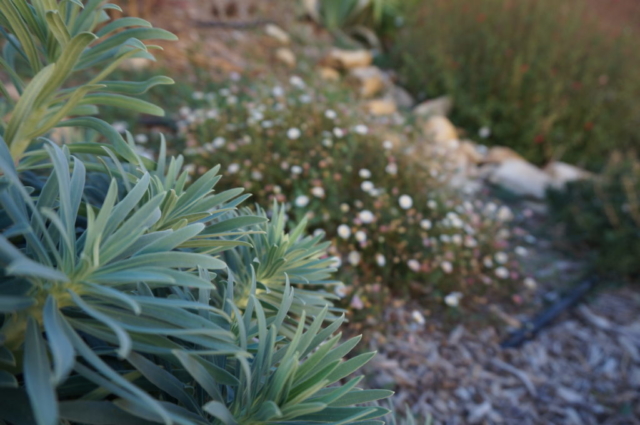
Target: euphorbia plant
{"type": "Point", "coordinates": [128, 294]}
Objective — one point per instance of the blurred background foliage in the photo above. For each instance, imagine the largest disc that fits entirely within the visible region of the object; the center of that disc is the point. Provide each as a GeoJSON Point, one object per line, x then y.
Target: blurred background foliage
{"type": "Point", "coordinates": [553, 80]}
{"type": "Point", "coordinates": [602, 216]}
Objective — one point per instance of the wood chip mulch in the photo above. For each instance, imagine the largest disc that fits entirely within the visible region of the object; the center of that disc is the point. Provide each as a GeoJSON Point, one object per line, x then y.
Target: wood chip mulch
{"type": "Point", "coordinates": [585, 369]}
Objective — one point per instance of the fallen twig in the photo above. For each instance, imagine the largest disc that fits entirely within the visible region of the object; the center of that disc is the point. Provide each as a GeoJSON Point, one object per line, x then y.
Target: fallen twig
{"type": "Point", "coordinates": [517, 373]}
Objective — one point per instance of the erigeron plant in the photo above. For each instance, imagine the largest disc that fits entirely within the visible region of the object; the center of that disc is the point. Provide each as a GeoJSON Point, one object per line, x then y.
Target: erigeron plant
{"type": "Point", "coordinates": [387, 206]}
{"type": "Point", "coordinates": [127, 295]}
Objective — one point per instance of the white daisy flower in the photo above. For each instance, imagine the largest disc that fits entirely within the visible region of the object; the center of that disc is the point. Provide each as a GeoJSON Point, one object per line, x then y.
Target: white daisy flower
{"type": "Point", "coordinates": [340, 290]}
{"type": "Point", "coordinates": [218, 142]}
{"type": "Point", "coordinates": [521, 251]}
{"type": "Point", "coordinates": [364, 173]}
{"type": "Point", "coordinates": [302, 201]}
{"type": "Point", "coordinates": [387, 144]}
{"type": "Point", "coordinates": [490, 208]}
{"type": "Point", "coordinates": [426, 224]}
{"type": "Point", "coordinates": [338, 132]}
{"type": "Point", "coordinates": [141, 138]}
{"type": "Point", "coordinates": [446, 267]}
{"type": "Point", "coordinates": [418, 317]}
{"type": "Point", "coordinates": [296, 169]}
{"type": "Point", "coordinates": [354, 258]}
{"type": "Point", "coordinates": [366, 216]}
{"type": "Point", "coordinates": [530, 283]}
{"type": "Point", "coordinates": [233, 168]}
{"type": "Point", "coordinates": [470, 242]}
{"type": "Point", "coordinates": [505, 214]}
{"type": "Point", "coordinates": [344, 231]}
{"type": "Point", "coordinates": [392, 168]}
{"type": "Point", "coordinates": [502, 272]}
{"type": "Point", "coordinates": [414, 265]}
{"type": "Point", "coordinates": [453, 299]}
{"type": "Point", "coordinates": [361, 129]}
{"type": "Point", "coordinates": [330, 114]}
{"type": "Point", "coordinates": [380, 260]}
{"type": "Point", "coordinates": [294, 133]}
{"type": "Point", "coordinates": [318, 192]}
{"type": "Point", "coordinates": [367, 186]}
{"type": "Point", "coordinates": [277, 91]}
{"type": "Point", "coordinates": [405, 202]}
{"type": "Point", "coordinates": [296, 81]}
{"type": "Point", "coordinates": [501, 257]}
{"type": "Point", "coordinates": [121, 126]}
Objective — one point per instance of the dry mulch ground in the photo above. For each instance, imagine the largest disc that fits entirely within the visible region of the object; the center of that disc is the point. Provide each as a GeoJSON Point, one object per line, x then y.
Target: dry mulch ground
{"type": "Point", "coordinates": [583, 370]}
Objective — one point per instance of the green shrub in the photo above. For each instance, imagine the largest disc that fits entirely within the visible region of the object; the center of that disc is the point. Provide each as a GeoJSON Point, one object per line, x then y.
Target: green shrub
{"type": "Point", "coordinates": [543, 76]}
{"type": "Point", "coordinates": [128, 296]}
{"type": "Point", "coordinates": [603, 215]}
{"type": "Point", "coordinates": [330, 165]}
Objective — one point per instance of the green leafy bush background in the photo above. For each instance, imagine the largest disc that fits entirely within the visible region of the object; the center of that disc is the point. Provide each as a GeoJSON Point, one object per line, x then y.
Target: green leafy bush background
{"type": "Point", "coordinates": [603, 216]}
{"type": "Point", "coordinates": [545, 77]}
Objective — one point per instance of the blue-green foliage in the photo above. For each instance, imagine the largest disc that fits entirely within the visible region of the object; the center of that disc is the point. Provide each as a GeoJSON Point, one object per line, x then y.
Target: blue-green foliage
{"type": "Point", "coordinates": [128, 294]}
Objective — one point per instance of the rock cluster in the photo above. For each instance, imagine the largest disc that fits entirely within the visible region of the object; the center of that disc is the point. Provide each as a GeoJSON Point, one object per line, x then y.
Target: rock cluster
{"type": "Point", "coordinates": [376, 87]}
{"type": "Point", "coordinates": [498, 165]}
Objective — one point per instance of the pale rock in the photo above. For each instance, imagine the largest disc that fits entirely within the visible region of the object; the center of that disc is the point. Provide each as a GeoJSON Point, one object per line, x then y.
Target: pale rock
{"type": "Point", "coordinates": [370, 80]}
{"type": "Point", "coordinates": [440, 130]}
{"type": "Point", "coordinates": [521, 178]}
{"type": "Point", "coordinates": [349, 59]}
{"type": "Point", "coordinates": [12, 91]}
{"type": "Point", "coordinates": [277, 33]}
{"type": "Point", "coordinates": [328, 74]}
{"type": "Point", "coordinates": [381, 107]}
{"type": "Point", "coordinates": [469, 150]}
{"type": "Point", "coordinates": [136, 64]}
{"type": "Point", "coordinates": [402, 97]}
{"type": "Point", "coordinates": [62, 135]}
{"type": "Point", "coordinates": [312, 8]}
{"type": "Point", "coordinates": [440, 106]}
{"type": "Point", "coordinates": [562, 173]}
{"type": "Point", "coordinates": [286, 56]}
{"type": "Point", "coordinates": [499, 154]}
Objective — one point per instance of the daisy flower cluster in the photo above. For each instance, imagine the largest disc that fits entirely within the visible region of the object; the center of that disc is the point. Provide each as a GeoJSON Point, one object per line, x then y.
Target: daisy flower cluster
{"type": "Point", "coordinates": [394, 221]}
